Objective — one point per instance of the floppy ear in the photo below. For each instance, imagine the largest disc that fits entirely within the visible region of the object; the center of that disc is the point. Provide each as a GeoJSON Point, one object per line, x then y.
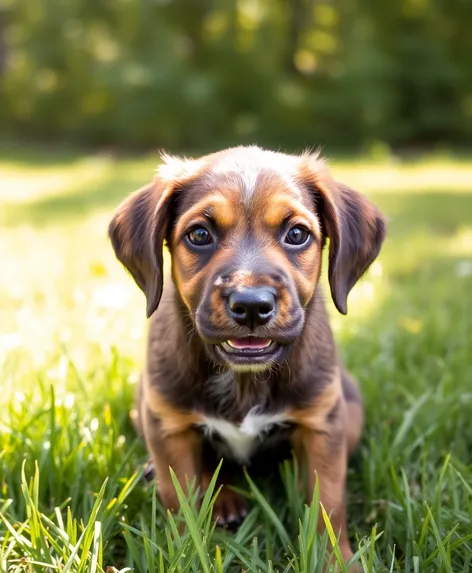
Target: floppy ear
{"type": "Point", "coordinates": [141, 224]}
{"type": "Point", "coordinates": [355, 228]}
{"type": "Point", "coordinates": [137, 232]}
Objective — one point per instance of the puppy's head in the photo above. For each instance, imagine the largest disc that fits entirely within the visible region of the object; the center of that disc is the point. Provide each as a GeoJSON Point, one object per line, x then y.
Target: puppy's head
{"type": "Point", "coordinates": [246, 229]}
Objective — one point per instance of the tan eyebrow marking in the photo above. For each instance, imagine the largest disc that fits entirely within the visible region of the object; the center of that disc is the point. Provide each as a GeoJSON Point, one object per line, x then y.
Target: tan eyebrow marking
{"type": "Point", "coordinates": [215, 206]}
{"type": "Point", "coordinates": [279, 209]}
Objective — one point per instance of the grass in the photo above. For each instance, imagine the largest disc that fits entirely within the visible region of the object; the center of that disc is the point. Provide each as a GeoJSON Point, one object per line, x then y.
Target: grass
{"type": "Point", "coordinates": [71, 347]}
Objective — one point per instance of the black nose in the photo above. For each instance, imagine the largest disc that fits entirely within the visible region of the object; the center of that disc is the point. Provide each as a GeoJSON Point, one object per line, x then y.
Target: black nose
{"type": "Point", "coordinates": [252, 306]}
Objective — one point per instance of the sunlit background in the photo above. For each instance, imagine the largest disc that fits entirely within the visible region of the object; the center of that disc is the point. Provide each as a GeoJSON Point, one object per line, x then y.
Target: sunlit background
{"type": "Point", "coordinates": [90, 91]}
{"type": "Point", "coordinates": [202, 74]}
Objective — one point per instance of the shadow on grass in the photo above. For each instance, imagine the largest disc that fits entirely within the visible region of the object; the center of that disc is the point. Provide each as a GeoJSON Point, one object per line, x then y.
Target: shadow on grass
{"type": "Point", "coordinates": [75, 205]}
{"type": "Point", "coordinates": [27, 156]}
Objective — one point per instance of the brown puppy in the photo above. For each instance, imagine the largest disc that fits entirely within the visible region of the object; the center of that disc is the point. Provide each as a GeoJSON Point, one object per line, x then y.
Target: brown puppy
{"type": "Point", "coordinates": [241, 357]}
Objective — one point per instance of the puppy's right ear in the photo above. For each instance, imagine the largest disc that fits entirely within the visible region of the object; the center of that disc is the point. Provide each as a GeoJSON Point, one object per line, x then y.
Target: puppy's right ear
{"type": "Point", "coordinates": [141, 223]}
{"type": "Point", "coordinates": [137, 233]}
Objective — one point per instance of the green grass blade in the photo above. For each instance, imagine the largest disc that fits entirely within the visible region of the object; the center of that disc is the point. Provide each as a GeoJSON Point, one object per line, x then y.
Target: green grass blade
{"type": "Point", "coordinates": [269, 512]}
{"type": "Point", "coordinates": [333, 539]}
{"type": "Point", "coordinates": [192, 524]}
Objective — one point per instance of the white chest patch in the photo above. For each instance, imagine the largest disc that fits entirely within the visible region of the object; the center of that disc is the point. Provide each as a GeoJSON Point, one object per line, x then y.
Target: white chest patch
{"type": "Point", "coordinates": [242, 438]}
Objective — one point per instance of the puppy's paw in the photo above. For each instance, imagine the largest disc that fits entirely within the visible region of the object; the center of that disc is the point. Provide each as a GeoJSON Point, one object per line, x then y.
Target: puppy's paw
{"type": "Point", "coordinates": [229, 509]}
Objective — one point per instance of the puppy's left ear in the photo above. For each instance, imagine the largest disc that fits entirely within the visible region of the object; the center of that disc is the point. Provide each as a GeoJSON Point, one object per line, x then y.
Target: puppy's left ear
{"type": "Point", "coordinates": [355, 228]}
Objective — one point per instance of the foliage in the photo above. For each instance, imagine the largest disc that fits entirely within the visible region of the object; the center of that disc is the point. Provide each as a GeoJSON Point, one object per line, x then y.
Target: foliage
{"type": "Point", "coordinates": [184, 74]}
{"type": "Point", "coordinates": [71, 343]}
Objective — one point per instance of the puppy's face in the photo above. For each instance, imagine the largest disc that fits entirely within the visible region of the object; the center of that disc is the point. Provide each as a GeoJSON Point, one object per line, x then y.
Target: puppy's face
{"type": "Point", "coordinates": [246, 229]}
{"type": "Point", "coordinates": [246, 249]}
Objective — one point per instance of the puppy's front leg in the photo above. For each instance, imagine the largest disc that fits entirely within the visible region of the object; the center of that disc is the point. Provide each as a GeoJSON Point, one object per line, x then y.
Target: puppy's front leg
{"type": "Point", "coordinates": [176, 448]}
{"type": "Point", "coordinates": [326, 458]}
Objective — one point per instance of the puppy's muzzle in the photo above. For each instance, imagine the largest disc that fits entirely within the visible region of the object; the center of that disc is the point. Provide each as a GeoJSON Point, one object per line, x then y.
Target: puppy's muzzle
{"type": "Point", "coordinates": [251, 307]}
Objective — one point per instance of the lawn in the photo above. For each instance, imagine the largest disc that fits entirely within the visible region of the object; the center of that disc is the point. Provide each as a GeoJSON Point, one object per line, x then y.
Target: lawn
{"type": "Point", "coordinates": [72, 333]}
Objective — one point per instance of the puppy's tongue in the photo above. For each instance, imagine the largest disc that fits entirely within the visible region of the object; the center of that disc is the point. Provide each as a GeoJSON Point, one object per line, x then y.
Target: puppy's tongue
{"type": "Point", "coordinates": [250, 342]}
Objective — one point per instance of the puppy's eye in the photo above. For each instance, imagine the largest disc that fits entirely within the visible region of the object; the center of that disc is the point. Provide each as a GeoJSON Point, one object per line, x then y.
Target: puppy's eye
{"type": "Point", "coordinates": [199, 237]}
{"type": "Point", "coordinates": [297, 236]}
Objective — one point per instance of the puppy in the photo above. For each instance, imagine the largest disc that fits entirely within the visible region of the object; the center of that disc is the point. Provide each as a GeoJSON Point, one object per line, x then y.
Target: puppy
{"type": "Point", "coordinates": [241, 359]}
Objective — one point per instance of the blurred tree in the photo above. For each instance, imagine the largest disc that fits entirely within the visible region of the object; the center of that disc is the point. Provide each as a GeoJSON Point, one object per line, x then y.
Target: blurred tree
{"type": "Point", "coordinates": [186, 73]}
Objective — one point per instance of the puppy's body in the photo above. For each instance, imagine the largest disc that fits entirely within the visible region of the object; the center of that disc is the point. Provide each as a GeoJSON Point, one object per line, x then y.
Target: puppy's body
{"type": "Point", "coordinates": [241, 360]}
{"type": "Point", "coordinates": [178, 372]}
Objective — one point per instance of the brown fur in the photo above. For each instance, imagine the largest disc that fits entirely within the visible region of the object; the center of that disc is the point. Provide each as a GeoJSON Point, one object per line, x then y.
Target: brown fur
{"type": "Point", "coordinates": [247, 197]}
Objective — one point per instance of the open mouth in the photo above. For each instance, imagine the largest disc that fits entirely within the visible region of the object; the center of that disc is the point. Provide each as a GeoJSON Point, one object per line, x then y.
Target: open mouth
{"type": "Point", "coordinates": [249, 345]}
{"type": "Point", "coordinates": [250, 351]}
